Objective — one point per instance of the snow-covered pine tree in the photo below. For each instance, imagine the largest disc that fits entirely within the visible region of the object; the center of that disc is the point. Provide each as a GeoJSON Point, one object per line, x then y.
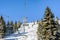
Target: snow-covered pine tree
{"type": "Point", "coordinates": [2, 26]}
{"type": "Point", "coordinates": [49, 25]}
{"type": "Point", "coordinates": [15, 26]}
{"type": "Point", "coordinates": [19, 24]}
{"type": "Point", "coordinates": [39, 30]}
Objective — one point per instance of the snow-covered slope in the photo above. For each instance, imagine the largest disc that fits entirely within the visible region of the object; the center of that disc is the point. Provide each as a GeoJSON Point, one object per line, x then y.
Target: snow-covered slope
{"type": "Point", "coordinates": [28, 31]}
{"type": "Point", "coordinates": [59, 26]}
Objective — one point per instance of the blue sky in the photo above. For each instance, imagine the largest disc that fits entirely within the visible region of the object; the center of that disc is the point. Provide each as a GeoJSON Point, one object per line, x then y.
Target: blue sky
{"type": "Point", "coordinates": [14, 10]}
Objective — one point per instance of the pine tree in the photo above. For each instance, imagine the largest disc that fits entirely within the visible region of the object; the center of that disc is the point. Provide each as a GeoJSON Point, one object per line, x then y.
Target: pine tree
{"type": "Point", "coordinates": [18, 24]}
{"type": "Point", "coordinates": [49, 26]}
{"type": "Point", "coordinates": [39, 30]}
{"type": "Point", "coordinates": [10, 27]}
{"type": "Point", "coordinates": [15, 26]}
{"type": "Point", "coordinates": [2, 26]}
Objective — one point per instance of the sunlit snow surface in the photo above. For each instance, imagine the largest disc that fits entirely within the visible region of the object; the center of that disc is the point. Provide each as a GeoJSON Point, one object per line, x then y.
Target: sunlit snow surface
{"type": "Point", "coordinates": [25, 32]}
{"type": "Point", "coordinates": [59, 26]}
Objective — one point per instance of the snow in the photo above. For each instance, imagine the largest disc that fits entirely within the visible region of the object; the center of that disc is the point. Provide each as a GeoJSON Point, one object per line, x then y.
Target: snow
{"type": "Point", "coordinates": [59, 21]}
{"type": "Point", "coordinates": [59, 26]}
{"type": "Point", "coordinates": [27, 31]}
